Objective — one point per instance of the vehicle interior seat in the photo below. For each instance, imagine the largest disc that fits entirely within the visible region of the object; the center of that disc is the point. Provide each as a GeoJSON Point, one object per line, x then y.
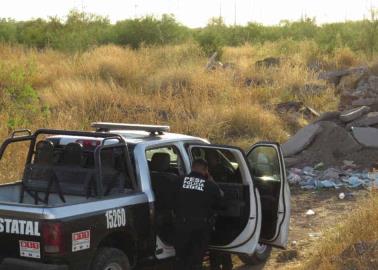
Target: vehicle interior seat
{"type": "Point", "coordinates": [269, 189]}
{"type": "Point", "coordinates": [72, 178]}
{"type": "Point", "coordinates": [39, 174]}
{"type": "Point", "coordinates": [164, 184]}
{"type": "Point", "coordinates": [113, 177]}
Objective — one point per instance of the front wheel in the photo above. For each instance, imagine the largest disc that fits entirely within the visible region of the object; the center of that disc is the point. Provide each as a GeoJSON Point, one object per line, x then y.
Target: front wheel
{"type": "Point", "coordinates": [110, 259]}
{"type": "Point", "coordinates": [260, 256]}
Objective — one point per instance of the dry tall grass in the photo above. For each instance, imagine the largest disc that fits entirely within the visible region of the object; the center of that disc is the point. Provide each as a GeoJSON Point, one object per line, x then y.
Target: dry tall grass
{"type": "Point", "coordinates": [351, 245]}
{"type": "Point", "coordinates": [164, 85]}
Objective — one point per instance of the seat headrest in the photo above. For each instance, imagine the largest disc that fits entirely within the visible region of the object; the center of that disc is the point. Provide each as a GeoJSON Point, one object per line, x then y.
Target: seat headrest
{"type": "Point", "coordinates": [44, 152]}
{"type": "Point", "coordinates": [73, 154]}
{"type": "Point", "coordinates": [107, 158]}
{"type": "Point", "coordinates": [160, 162]}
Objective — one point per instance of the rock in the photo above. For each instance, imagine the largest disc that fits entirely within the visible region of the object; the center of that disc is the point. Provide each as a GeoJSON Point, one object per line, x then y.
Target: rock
{"type": "Point", "coordinates": [291, 161]}
{"type": "Point", "coordinates": [269, 62]}
{"type": "Point", "coordinates": [350, 115]}
{"type": "Point", "coordinates": [368, 120]}
{"type": "Point", "coordinates": [309, 112]}
{"type": "Point", "coordinates": [329, 116]}
{"type": "Point", "coordinates": [373, 83]}
{"type": "Point", "coordinates": [314, 89]}
{"type": "Point", "coordinates": [301, 140]}
{"type": "Point", "coordinates": [366, 136]}
{"type": "Point", "coordinates": [287, 255]}
{"type": "Point", "coordinates": [335, 76]}
{"type": "Point", "coordinates": [296, 107]}
{"type": "Point", "coordinates": [349, 82]}
{"type": "Point", "coordinates": [290, 106]}
{"type": "Point", "coordinates": [365, 102]}
{"type": "Point", "coordinates": [212, 63]}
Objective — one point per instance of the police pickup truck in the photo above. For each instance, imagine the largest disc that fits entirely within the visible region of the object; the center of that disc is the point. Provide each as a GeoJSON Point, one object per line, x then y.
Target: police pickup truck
{"type": "Point", "coordinates": [102, 200]}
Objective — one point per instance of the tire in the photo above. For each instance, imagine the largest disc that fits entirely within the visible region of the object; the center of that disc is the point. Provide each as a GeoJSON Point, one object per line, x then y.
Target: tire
{"type": "Point", "coordinates": [110, 259]}
{"type": "Point", "coordinates": [260, 256]}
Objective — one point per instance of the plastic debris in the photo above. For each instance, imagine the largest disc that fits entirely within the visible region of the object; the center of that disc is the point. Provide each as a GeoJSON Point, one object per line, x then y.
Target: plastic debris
{"type": "Point", "coordinates": [334, 177]}
{"type": "Point", "coordinates": [354, 182]}
{"type": "Point", "coordinates": [310, 212]}
{"type": "Point", "coordinates": [327, 184]}
{"type": "Point", "coordinates": [342, 196]}
{"type": "Point", "coordinates": [319, 166]}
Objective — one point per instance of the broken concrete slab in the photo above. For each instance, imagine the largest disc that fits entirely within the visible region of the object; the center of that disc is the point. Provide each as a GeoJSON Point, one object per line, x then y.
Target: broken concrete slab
{"type": "Point", "coordinates": [349, 82]}
{"type": "Point", "coordinates": [369, 119]}
{"type": "Point", "coordinates": [366, 136]}
{"type": "Point", "coordinates": [329, 116]}
{"type": "Point", "coordinates": [335, 76]}
{"type": "Point", "coordinates": [269, 62]}
{"type": "Point", "coordinates": [365, 102]}
{"type": "Point", "coordinates": [301, 140]}
{"type": "Point", "coordinates": [350, 115]}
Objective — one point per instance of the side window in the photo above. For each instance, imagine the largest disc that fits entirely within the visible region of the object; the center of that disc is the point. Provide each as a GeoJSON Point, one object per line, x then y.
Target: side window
{"type": "Point", "coordinates": [115, 176]}
{"type": "Point", "coordinates": [265, 165]}
{"type": "Point", "coordinates": [165, 159]}
{"type": "Point", "coordinates": [223, 165]}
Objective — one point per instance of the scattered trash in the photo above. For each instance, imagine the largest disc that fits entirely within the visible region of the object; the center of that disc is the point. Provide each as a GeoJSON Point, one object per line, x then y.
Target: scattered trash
{"type": "Point", "coordinates": [342, 196]}
{"type": "Point", "coordinates": [310, 212]}
{"type": "Point", "coordinates": [334, 177]}
{"type": "Point", "coordinates": [315, 234]}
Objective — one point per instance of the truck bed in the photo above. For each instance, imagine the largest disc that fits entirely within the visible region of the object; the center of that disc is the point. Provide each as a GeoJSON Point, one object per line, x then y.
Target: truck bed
{"type": "Point", "coordinates": [10, 194]}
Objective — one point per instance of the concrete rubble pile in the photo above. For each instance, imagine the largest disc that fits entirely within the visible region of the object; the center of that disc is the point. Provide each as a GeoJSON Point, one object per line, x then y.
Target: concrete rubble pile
{"type": "Point", "coordinates": [357, 86]}
{"type": "Point", "coordinates": [336, 150]}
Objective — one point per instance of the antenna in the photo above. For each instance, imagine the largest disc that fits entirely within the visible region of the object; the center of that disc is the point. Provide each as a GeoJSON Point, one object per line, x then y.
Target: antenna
{"type": "Point", "coordinates": [235, 12]}
{"type": "Point", "coordinates": [135, 10]}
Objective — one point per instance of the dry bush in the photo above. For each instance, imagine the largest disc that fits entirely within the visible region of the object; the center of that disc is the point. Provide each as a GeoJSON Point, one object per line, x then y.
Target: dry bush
{"type": "Point", "coordinates": [168, 85]}
{"type": "Point", "coordinates": [345, 58]}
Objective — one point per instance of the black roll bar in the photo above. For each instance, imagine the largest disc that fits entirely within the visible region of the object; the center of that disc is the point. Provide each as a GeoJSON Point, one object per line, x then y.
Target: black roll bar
{"type": "Point", "coordinates": [17, 131]}
{"type": "Point", "coordinates": [32, 137]}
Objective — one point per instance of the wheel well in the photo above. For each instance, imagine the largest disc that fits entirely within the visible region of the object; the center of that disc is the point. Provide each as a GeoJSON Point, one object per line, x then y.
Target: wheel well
{"type": "Point", "coordinates": [121, 241]}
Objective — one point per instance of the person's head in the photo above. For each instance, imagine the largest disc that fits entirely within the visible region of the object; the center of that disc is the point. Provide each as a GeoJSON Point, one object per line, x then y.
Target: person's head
{"type": "Point", "coordinates": [212, 158]}
{"type": "Point", "coordinates": [200, 166]}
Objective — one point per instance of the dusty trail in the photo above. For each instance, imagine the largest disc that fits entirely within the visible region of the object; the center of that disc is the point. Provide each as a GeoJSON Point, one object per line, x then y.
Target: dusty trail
{"type": "Point", "coordinates": [305, 231]}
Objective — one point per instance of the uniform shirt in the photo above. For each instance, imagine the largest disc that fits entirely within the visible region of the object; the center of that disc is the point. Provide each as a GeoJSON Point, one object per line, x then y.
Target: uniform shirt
{"type": "Point", "coordinates": [196, 197]}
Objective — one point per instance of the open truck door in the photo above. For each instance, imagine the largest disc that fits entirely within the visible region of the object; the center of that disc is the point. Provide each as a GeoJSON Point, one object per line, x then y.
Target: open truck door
{"type": "Point", "coordinates": [268, 172]}
{"type": "Point", "coordinates": [238, 225]}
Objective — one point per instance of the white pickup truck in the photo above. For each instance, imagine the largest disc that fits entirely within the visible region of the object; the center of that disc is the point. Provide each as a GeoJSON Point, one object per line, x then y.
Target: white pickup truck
{"type": "Point", "coordinates": [96, 200]}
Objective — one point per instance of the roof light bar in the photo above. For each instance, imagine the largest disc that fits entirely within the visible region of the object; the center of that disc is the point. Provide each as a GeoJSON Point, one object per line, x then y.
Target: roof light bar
{"type": "Point", "coordinates": [106, 126]}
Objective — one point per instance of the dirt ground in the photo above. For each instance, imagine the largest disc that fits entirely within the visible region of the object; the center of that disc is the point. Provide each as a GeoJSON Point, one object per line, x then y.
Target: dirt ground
{"type": "Point", "coordinates": [305, 230]}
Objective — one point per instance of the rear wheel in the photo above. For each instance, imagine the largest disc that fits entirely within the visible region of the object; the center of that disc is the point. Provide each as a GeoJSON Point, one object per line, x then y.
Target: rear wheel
{"type": "Point", "coordinates": [260, 256]}
{"type": "Point", "coordinates": [110, 259]}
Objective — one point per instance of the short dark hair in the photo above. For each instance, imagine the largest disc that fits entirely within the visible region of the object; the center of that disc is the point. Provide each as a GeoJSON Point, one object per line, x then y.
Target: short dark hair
{"type": "Point", "coordinates": [200, 163]}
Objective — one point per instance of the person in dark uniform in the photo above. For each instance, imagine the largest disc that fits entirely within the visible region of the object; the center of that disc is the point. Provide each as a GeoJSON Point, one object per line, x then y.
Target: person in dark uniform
{"type": "Point", "coordinates": [220, 261]}
{"type": "Point", "coordinates": [197, 197]}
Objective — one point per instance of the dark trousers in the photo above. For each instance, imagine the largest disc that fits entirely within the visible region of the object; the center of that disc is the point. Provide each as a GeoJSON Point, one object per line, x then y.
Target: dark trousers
{"type": "Point", "coordinates": [220, 261]}
{"type": "Point", "coordinates": [191, 244]}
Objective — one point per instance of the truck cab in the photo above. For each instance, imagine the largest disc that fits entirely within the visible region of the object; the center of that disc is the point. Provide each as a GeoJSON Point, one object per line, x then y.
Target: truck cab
{"type": "Point", "coordinates": [104, 199]}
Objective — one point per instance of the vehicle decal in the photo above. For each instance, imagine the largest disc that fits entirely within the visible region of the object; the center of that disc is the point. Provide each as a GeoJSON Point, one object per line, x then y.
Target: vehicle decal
{"type": "Point", "coordinates": [30, 249]}
{"type": "Point", "coordinates": [115, 218]}
{"type": "Point", "coordinates": [22, 227]}
{"type": "Point", "coordinates": [81, 240]}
